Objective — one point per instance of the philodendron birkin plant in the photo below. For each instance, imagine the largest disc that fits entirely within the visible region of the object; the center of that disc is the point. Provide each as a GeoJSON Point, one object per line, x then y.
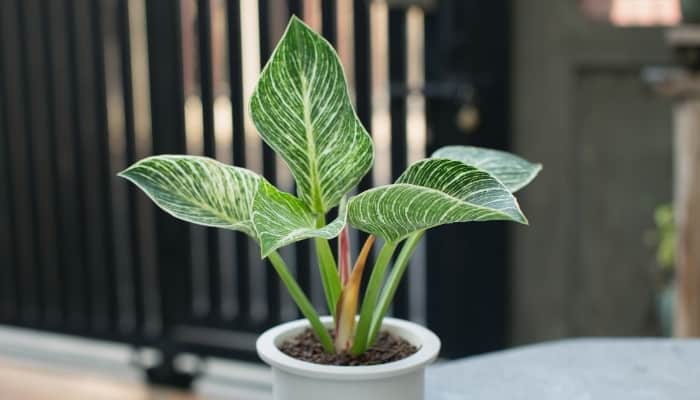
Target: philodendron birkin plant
{"type": "Point", "coordinates": [302, 110]}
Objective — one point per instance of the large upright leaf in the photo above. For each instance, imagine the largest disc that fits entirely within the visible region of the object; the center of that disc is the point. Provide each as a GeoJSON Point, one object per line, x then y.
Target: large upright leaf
{"type": "Point", "coordinates": [429, 193]}
{"type": "Point", "coordinates": [302, 110]}
{"type": "Point", "coordinates": [281, 219]}
{"type": "Point", "coordinates": [198, 190]}
{"type": "Point", "coordinates": [513, 171]}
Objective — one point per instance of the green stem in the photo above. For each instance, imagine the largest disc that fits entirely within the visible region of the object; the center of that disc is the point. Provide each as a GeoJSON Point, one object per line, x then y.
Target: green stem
{"type": "Point", "coordinates": [330, 279]}
{"type": "Point", "coordinates": [302, 301]}
{"type": "Point", "coordinates": [392, 284]}
{"type": "Point", "coordinates": [329, 273]}
{"type": "Point", "coordinates": [371, 293]}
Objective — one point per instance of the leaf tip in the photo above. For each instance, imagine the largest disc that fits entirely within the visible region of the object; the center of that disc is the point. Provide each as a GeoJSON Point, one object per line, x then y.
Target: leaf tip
{"type": "Point", "coordinates": [524, 220]}
{"type": "Point", "coordinates": [126, 173]}
{"type": "Point", "coordinates": [296, 22]}
{"type": "Point", "coordinates": [536, 169]}
{"type": "Point", "coordinates": [520, 216]}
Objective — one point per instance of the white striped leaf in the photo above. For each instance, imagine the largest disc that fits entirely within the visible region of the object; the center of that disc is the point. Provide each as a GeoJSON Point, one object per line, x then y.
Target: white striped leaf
{"type": "Point", "coordinates": [429, 193]}
{"type": "Point", "coordinates": [513, 171]}
{"type": "Point", "coordinates": [301, 108]}
{"type": "Point", "coordinates": [281, 219]}
{"type": "Point", "coordinates": [198, 190]}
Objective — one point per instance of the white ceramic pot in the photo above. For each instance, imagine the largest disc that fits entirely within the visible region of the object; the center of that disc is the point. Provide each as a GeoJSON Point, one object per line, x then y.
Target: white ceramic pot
{"type": "Point", "coordinates": [294, 379]}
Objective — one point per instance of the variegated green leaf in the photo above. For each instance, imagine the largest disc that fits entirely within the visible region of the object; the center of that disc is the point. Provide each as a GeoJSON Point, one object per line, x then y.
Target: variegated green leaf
{"type": "Point", "coordinates": [198, 190]}
{"type": "Point", "coordinates": [281, 219]}
{"type": "Point", "coordinates": [429, 193]}
{"type": "Point", "coordinates": [302, 110]}
{"type": "Point", "coordinates": [513, 171]}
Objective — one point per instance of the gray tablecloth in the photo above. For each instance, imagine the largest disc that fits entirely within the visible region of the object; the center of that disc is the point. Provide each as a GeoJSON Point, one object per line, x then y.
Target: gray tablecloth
{"type": "Point", "coordinates": [579, 369]}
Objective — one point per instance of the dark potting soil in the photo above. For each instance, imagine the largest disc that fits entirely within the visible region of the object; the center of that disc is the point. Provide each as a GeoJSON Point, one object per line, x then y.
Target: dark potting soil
{"type": "Point", "coordinates": [387, 348]}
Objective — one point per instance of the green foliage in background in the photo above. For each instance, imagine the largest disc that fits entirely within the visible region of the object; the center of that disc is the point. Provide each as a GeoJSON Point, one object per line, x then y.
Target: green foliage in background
{"type": "Point", "coordinates": [666, 232]}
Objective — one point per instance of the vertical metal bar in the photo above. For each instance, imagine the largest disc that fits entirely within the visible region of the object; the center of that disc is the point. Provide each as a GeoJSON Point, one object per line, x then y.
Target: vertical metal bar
{"type": "Point", "coordinates": [363, 72]}
{"type": "Point", "coordinates": [83, 276]}
{"type": "Point", "coordinates": [236, 84]}
{"type": "Point", "coordinates": [168, 126]}
{"type": "Point", "coordinates": [111, 148]}
{"type": "Point", "coordinates": [399, 151]}
{"type": "Point", "coordinates": [8, 299]}
{"type": "Point", "coordinates": [89, 111]}
{"type": "Point", "coordinates": [207, 98]}
{"type": "Point", "coordinates": [19, 160]}
{"type": "Point", "coordinates": [133, 313]}
{"type": "Point", "coordinates": [272, 282]}
{"type": "Point", "coordinates": [296, 7]}
{"type": "Point", "coordinates": [103, 167]}
{"type": "Point", "coordinates": [67, 163]}
{"type": "Point", "coordinates": [168, 137]}
{"type": "Point", "coordinates": [363, 89]}
{"type": "Point", "coordinates": [145, 212]}
{"type": "Point", "coordinates": [265, 28]}
{"type": "Point", "coordinates": [56, 277]}
{"type": "Point", "coordinates": [329, 21]}
{"type": "Point", "coordinates": [7, 279]}
{"type": "Point", "coordinates": [38, 133]}
{"type": "Point", "coordinates": [25, 47]}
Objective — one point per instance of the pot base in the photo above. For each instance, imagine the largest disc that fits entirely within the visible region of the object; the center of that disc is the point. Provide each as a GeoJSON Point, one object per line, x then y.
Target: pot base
{"type": "Point", "coordinates": [403, 387]}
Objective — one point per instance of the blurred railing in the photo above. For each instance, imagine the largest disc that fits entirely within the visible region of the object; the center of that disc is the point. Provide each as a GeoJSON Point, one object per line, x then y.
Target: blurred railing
{"type": "Point", "coordinates": [89, 87]}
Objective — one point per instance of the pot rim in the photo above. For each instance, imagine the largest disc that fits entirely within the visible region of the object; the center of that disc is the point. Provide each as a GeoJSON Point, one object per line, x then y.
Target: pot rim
{"type": "Point", "coordinates": [427, 342]}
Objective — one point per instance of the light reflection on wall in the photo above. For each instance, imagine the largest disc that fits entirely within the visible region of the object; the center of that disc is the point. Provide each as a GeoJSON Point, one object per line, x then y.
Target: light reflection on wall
{"type": "Point", "coordinates": [381, 117]}
{"type": "Point", "coordinates": [633, 12]}
{"type": "Point", "coordinates": [346, 42]}
{"type": "Point", "coordinates": [415, 74]}
{"type": "Point", "coordinates": [416, 142]}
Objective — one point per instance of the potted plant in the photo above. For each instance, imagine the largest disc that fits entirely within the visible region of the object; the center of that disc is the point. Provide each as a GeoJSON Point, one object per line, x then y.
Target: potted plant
{"type": "Point", "coordinates": [301, 108]}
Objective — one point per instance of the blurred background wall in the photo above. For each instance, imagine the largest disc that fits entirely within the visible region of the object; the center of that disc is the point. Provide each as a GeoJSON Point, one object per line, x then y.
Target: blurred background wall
{"type": "Point", "coordinates": [587, 265]}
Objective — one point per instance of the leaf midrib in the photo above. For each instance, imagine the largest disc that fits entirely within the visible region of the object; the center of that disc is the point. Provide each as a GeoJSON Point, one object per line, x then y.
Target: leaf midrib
{"type": "Point", "coordinates": [310, 145]}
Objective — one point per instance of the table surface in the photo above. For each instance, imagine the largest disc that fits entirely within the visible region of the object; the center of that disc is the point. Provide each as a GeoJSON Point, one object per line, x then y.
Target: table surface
{"type": "Point", "coordinates": [578, 369]}
{"type": "Point", "coordinates": [600, 369]}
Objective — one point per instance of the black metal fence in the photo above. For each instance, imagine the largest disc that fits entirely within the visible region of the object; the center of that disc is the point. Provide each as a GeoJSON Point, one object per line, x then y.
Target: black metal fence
{"type": "Point", "coordinates": [89, 87]}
